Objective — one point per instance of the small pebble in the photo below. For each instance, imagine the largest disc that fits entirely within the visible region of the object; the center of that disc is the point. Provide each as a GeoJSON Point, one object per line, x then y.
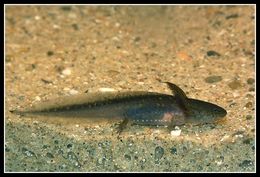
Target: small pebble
{"type": "Point", "coordinates": [234, 84]}
{"type": "Point", "coordinates": [37, 98]}
{"type": "Point", "coordinates": [113, 73]}
{"type": "Point", "coordinates": [50, 53]}
{"type": "Point", "coordinates": [9, 58]}
{"type": "Point", "coordinates": [56, 26]}
{"type": "Point", "coordinates": [37, 17]}
{"type": "Point", "coordinates": [106, 90]}
{"type": "Point", "coordinates": [246, 164]}
{"type": "Point", "coordinates": [49, 155]}
{"type": "Point", "coordinates": [69, 145]}
{"type": "Point", "coordinates": [128, 157]}
{"type": "Point", "coordinates": [251, 89]}
{"type": "Point", "coordinates": [73, 92]}
{"type": "Point", "coordinates": [239, 136]}
{"type": "Point", "coordinates": [173, 151]}
{"type": "Point", "coordinates": [136, 39]}
{"type": "Point", "coordinates": [46, 81]}
{"type": "Point", "coordinates": [175, 132]}
{"type": "Point", "coordinates": [232, 105]}
{"type": "Point", "coordinates": [184, 56]}
{"type": "Point", "coordinates": [117, 24]}
{"type": "Point", "coordinates": [75, 26]}
{"type": "Point", "coordinates": [249, 96]}
{"type": "Point", "coordinates": [249, 117]}
{"type": "Point", "coordinates": [158, 153]}
{"type": "Point", "coordinates": [239, 132]}
{"type": "Point", "coordinates": [249, 104]}
{"type": "Point", "coordinates": [236, 94]}
{"type": "Point", "coordinates": [27, 152]}
{"type": "Point", "coordinates": [125, 52]}
{"type": "Point", "coordinates": [21, 98]}
{"type": "Point", "coordinates": [212, 53]}
{"type": "Point", "coordinates": [250, 81]}
{"type": "Point", "coordinates": [232, 16]}
{"type": "Point", "coordinates": [115, 38]}
{"type": "Point", "coordinates": [45, 146]}
{"type": "Point", "coordinates": [66, 72]}
{"type": "Point", "coordinates": [224, 138]}
{"type": "Point", "coordinates": [212, 79]}
{"type": "Point", "coordinates": [248, 140]}
{"type": "Point", "coordinates": [66, 89]}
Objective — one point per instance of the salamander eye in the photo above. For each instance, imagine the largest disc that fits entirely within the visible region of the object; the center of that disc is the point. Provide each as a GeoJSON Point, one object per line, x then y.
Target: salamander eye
{"type": "Point", "coordinates": [215, 110]}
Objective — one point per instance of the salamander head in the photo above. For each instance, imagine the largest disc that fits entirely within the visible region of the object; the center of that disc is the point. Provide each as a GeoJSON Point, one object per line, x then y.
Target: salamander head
{"type": "Point", "coordinates": [196, 111]}
{"type": "Point", "coordinates": [204, 112]}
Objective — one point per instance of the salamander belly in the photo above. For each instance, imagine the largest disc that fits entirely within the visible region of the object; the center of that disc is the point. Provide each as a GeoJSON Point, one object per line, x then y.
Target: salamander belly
{"type": "Point", "coordinates": [152, 115]}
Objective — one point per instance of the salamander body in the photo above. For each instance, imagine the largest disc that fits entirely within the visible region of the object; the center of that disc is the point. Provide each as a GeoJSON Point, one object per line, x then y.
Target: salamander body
{"type": "Point", "coordinates": [147, 108]}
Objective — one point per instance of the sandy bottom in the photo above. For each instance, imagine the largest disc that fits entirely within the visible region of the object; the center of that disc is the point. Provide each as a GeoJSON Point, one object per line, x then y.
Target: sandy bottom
{"type": "Point", "coordinates": [52, 51]}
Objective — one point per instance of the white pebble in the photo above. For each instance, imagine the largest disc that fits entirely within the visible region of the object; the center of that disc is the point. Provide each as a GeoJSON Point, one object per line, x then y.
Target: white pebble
{"type": "Point", "coordinates": [56, 26]}
{"type": "Point", "coordinates": [106, 90]}
{"type": "Point", "coordinates": [117, 24]}
{"type": "Point", "coordinates": [219, 162]}
{"type": "Point", "coordinates": [236, 94]}
{"type": "Point", "coordinates": [37, 98]}
{"type": "Point", "coordinates": [37, 17]}
{"type": "Point", "coordinates": [224, 138]}
{"type": "Point", "coordinates": [176, 132]}
{"type": "Point", "coordinates": [98, 21]}
{"type": "Point", "coordinates": [115, 39]}
{"type": "Point", "coordinates": [73, 92]}
{"type": "Point", "coordinates": [66, 72]}
{"type": "Point", "coordinates": [125, 52]}
{"type": "Point", "coordinates": [239, 136]}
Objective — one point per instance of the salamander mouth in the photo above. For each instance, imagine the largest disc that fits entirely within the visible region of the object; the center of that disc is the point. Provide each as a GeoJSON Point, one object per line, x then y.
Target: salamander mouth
{"type": "Point", "coordinates": [224, 113]}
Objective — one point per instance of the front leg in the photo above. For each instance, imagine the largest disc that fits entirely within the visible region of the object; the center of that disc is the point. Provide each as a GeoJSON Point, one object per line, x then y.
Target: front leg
{"type": "Point", "coordinates": [122, 126]}
{"type": "Point", "coordinates": [176, 121]}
